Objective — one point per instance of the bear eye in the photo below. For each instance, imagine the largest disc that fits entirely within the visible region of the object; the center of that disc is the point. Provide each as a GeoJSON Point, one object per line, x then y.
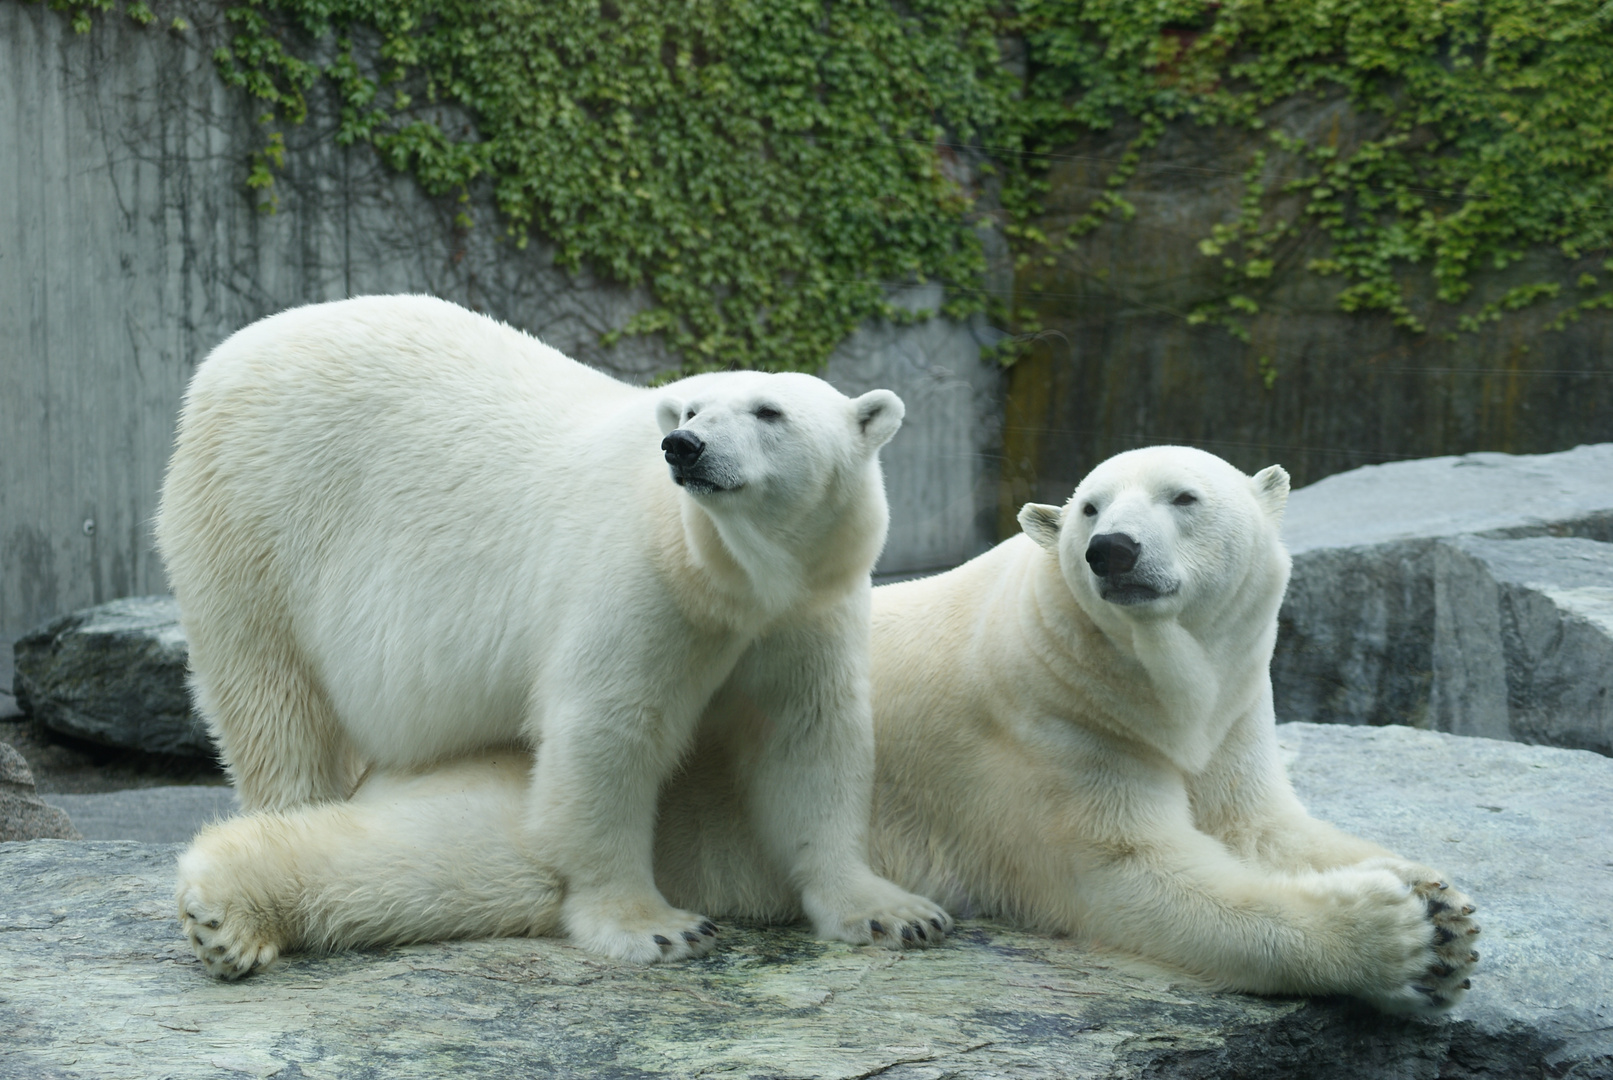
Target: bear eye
{"type": "Point", "coordinates": [1186, 498]}
{"type": "Point", "coordinates": [1089, 510]}
{"type": "Point", "coordinates": [767, 412]}
{"type": "Point", "coordinates": [690, 414]}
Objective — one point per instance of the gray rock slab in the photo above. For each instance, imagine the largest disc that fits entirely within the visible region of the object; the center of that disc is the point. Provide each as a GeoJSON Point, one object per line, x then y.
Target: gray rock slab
{"type": "Point", "coordinates": [100, 984]}
{"type": "Point", "coordinates": [113, 674]}
{"type": "Point", "coordinates": [1489, 494]}
{"type": "Point", "coordinates": [160, 815]}
{"type": "Point", "coordinates": [1357, 626]}
{"type": "Point", "coordinates": [1523, 640]}
{"type": "Point", "coordinates": [23, 814]}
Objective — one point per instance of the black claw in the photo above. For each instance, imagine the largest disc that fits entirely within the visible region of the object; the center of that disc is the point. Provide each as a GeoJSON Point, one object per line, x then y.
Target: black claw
{"type": "Point", "coordinates": [873, 924]}
{"type": "Point", "coordinates": [938, 927]}
{"type": "Point", "coordinates": [1429, 990]}
{"type": "Point", "coordinates": [1467, 984]}
{"type": "Point", "coordinates": [211, 924]}
{"type": "Point", "coordinates": [691, 937]}
{"type": "Point", "coordinates": [1473, 957]}
{"type": "Point", "coordinates": [1472, 930]}
{"type": "Point", "coordinates": [1442, 886]}
{"type": "Point", "coordinates": [659, 940]}
{"type": "Point", "coordinates": [922, 935]}
{"type": "Point", "coordinates": [907, 933]}
{"type": "Point", "coordinates": [708, 928]}
{"type": "Point", "coordinates": [1468, 909]}
{"type": "Point", "coordinates": [1442, 935]}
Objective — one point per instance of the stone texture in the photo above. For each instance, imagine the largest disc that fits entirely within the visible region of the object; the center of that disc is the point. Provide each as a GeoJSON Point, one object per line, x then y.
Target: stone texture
{"type": "Point", "coordinates": [1120, 364]}
{"type": "Point", "coordinates": [23, 814]}
{"type": "Point", "coordinates": [113, 674]}
{"type": "Point", "coordinates": [157, 815]}
{"type": "Point", "coordinates": [1523, 641]}
{"type": "Point", "coordinates": [100, 984]}
{"type": "Point", "coordinates": [1356, 640]}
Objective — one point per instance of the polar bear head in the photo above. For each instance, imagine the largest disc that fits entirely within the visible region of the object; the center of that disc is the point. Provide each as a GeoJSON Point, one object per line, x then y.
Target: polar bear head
{"type": "Point", "coordinates": [1170, 531]}
{"type": "Point", "coordinates": [769, 437]}
{"type": "Point", "coordinates": [781, 459]}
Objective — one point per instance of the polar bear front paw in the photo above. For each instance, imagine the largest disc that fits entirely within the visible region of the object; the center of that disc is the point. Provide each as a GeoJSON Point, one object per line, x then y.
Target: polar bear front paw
{"type": "Point", "coordinates": [229, 942]}
{"type": "Point", "coordinates": [876, 912]}
{"type": "Point", "coordinates": [1438, 970]}
{"type": "Point", "coordinates": [639, 932]}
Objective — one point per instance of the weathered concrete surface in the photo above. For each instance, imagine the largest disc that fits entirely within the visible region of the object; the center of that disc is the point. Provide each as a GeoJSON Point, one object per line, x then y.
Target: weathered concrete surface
{"type": "Point", "coordinates": [23, 814]}
{"type": "Point", "coordinates": [113, 674]}
{"type": "Point", "coordinates": [157, 815]}
{"type": "Point", "coordinates": [1119, 364]}
{"type": "Point", "coordinates": [130, 246]}
{"type": "Point", "coordinates": [100, 984]}
{"type": "Point", "coordinates": [1356, 643]}
{"type": "Point", "coordinates": [1523, 641]}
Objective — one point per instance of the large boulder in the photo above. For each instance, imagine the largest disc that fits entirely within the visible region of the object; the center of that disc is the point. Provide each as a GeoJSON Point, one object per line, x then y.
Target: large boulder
{"type": "Point", "coordinates": [1356, 644]}
{"type": "Point", "coordinates": [100, 983]}
{"type": "Point", "coordinates": [1523, 641]}
{"type": "Point", "coordinates": [23, 814]}
{"type": "Point", "coordinates": [113, 674]}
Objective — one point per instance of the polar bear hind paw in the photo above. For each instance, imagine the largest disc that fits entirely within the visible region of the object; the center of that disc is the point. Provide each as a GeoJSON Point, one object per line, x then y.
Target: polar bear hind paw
{"type": "Point", "coordinates": [1452, 956]}
{"type": "Point", "coordinates": [229, 946]}
{"type": "Point", "coordinates": [1441, 968]}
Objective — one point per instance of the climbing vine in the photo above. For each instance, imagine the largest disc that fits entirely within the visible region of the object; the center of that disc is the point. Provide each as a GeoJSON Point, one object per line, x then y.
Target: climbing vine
{"type": "Point", "coordinates": [768, 169]}
{"type": "Point", "coordinates": [1492, 137]}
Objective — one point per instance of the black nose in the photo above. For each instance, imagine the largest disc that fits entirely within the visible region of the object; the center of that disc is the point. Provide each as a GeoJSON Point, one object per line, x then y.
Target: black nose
{"type": "Point", "coordinates": [1112, 553]}
{"type": "Point", "coordinates": [683, 448]}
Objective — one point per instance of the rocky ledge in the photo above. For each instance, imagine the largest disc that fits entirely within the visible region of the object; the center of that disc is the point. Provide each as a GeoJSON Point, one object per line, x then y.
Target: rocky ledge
{"type": "Point", "coordinates": [98, 982]}
{"type": "Point", "coordinates": [1417, 599]}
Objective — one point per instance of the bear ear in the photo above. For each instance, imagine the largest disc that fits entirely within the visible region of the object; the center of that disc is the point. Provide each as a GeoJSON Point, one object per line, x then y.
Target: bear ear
{"type": "Point", "coordinates": [879, 413]}
{"type": "Point", "coordinates": [668, 413]}
{"type": "Point", "coordinates": [1271, 488]}
{"type": "Point", "coordinates": [1041, 523]}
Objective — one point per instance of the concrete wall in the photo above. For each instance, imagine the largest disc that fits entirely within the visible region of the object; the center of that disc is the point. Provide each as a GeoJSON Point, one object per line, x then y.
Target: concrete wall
{"type": "Point", "coordinates": [130, 246]}
{"type": "Point", "coordinates": [1120, 365]}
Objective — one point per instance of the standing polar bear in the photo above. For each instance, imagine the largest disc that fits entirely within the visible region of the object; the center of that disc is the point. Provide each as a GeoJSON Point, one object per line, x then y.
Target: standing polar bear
{"type": "Point", "coordinates": [400, 533]}
{"type": "Point", "coordinates": [1074, 732]}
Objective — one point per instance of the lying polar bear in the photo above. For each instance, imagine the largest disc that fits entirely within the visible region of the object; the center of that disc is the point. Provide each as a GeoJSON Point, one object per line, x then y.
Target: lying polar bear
{"type": "Point", "coordinates": [1074, 732]}
{"type": "Point", "coordinates": [400, 533]}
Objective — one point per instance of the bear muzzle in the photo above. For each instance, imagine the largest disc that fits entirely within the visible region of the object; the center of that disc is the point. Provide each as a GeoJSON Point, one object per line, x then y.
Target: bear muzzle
{"type": "Point", "coordinates": [682, 448]}
{"type": "Point", "coordinates": [1107, 553]}
{"type": "Point", "coordinates": [1113, 558]}
{"type": "Point", "coordinates": [692, 470]}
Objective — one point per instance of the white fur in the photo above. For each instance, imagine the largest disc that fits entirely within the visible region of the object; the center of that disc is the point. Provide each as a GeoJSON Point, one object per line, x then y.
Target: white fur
{"type": "Point", "coordinates": [401, 533]}
{"type": "Point", "coordinates": [1044, 756]}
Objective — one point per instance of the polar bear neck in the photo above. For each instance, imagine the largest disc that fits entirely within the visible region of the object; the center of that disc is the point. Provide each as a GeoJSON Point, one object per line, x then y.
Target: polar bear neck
{"type": "Point", "coordinates": [1174, 687]}
{"type": "Point", "coordinates": [747, 574]}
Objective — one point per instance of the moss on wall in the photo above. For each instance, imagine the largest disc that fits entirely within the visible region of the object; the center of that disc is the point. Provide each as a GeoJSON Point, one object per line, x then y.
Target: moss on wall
{"type": "Point", "coordinates": [767, 168]}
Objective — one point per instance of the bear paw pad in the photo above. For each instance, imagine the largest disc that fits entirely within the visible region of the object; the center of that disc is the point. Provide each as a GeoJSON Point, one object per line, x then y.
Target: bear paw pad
{"type": "Point", "coordinates": [229, 946]}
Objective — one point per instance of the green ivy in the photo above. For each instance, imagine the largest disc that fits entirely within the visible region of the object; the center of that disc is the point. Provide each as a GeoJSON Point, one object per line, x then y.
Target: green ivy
{"type": "Point", "coordinates": [770, 168]}
{"type": "Point", "coordinates": [1496, 136]}
{"type": "Point", "coordinates": [766, 168]}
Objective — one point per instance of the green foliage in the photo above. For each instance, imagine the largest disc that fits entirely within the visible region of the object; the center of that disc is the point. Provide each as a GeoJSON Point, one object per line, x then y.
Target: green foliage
{"type": "Point", "coordinates": [1495, 133]}
{"type": "Point", "coordinates": [766, 167]}
{"type": "Point", "coordinates": [769, 168]}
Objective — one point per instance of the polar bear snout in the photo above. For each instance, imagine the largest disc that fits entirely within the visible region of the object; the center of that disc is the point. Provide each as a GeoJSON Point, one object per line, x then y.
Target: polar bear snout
{"type": "Point", "coordinates": [1112, 553]}
{"type": "Point", "coordinates": [1116, 560]}
{"type": "Point", "coordinates": [682, 448]}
